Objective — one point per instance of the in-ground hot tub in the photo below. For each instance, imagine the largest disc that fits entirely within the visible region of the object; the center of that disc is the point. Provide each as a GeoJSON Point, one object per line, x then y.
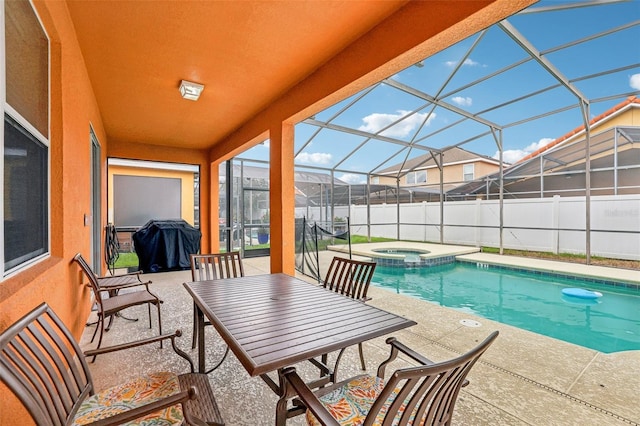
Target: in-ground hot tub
{"type": "Point", "coordinates": [398, 257]}
{"type": "Point", "coordinates": [407, 258]}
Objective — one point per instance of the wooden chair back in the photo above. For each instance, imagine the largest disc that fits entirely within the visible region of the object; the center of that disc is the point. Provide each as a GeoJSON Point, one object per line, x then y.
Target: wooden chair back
{"type": "Point", "coordinates": [88, 272]}
{"type": "Point", "coordinates": [422, 395]}
{"type": "Point", "coordinates": [44, 367]}
{"type": "Point", "coordinates": [216, 266]}
{"type": "Point", "coordinates": [116, 301]}
{"type": "Point", "coordinates": [42, 364]}
{"type": "Point", "coordinates": [93, 278]}
{"type": "Point", "coordinates": [349, 277]}
{"type": "Point", "coordinates": [426, 392]}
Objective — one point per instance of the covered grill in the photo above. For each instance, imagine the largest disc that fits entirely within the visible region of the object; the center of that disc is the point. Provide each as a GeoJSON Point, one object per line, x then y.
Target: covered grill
{"type": "Point", "coordinates": [165, 245]}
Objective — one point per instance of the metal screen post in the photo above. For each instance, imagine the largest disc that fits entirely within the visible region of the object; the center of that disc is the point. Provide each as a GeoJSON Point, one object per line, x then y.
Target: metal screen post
{"type": "Point", "coordinates": [349, 236]}
{"type": "Point", "coordinates": [587, 186]}
{"type": "Point", "coordinates": [315, 230]}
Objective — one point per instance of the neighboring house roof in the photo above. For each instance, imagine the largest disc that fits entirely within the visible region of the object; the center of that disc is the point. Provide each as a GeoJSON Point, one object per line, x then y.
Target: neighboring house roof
{"type": "Point", "coordinates": [630, 102]}
{"type": "Point", "coordinates": [452, 156]}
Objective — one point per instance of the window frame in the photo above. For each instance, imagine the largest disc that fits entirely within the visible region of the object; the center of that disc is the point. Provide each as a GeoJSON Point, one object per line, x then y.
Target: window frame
{"type": "Point", "coordinates": [7, 109]}
{"type": "Point", "coordinates": [414, 177]}
{"type": "Point", "coordinates": [465, 172]}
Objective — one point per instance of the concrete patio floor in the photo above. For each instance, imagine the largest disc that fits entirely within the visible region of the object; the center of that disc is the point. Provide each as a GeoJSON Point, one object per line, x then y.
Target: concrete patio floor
{"type": "Point", "coordinates": [523, 379]}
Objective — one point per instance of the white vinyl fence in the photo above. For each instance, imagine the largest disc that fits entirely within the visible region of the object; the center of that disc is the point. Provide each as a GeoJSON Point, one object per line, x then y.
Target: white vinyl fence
{"type": "Point", "coordinates": [549, 224]}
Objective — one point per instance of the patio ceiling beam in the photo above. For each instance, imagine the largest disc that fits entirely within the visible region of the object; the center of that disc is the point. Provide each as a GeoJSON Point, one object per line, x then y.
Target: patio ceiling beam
{"type": "Point", "coordinates": [554, 159]}
{"type": "Point", "coordinates": [471, 139]}
{"type": "Point", "coordinates": [337, 114]}
{"type": "Point", "coordinates": [487, 77]}
{"type": "Point", "coordinates": [607, 72]}
{"type": "Point", "coordinates": [529, 95]}
{"type": "Point", "coordinates": [512, 32]}
{"type": "Point", "coordinates": [434, 106]}
{"type": "Point", "coordinates": [362, 133]}
{"type": "Point", "coordinates": [541, 9]}
{"type": "Point", "coordinates": [536, 117]}
{"type": "Point", "coordinates": [372, 171]}
{"type": "Point", "coordinates": [440, 103]}
{"type": "Point", "coordinates": [618, 96]}
{"type": "Point", "coordinates": [388, 126]}
{"type": "Point", "coordinates": [590, 37]}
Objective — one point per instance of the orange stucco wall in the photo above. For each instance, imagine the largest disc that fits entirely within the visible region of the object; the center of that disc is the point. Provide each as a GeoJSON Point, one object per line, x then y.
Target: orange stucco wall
{"type": "Point", "coordinates": [55, 280]}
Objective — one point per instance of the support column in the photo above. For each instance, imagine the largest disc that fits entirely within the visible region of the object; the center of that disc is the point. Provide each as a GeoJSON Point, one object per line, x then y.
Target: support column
{"type": "Point", "coordinates": [282, 199]}
{"type": "Point", "coordinates": [214, 202]}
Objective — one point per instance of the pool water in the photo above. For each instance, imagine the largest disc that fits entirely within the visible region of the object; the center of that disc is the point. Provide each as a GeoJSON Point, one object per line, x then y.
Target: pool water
{"type": "Point", "coordinates": [526, 300]}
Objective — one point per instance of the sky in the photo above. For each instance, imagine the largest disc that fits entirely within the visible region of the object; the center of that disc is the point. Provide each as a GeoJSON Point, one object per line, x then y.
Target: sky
{"type": "Point", "coordinates": [477, 76]}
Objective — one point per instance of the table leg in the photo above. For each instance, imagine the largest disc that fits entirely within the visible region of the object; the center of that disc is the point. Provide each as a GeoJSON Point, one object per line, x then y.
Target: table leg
{"type": "Point", "coordinates": [200, 315]}
{"type": "Point", "coordinates": [281, 405]}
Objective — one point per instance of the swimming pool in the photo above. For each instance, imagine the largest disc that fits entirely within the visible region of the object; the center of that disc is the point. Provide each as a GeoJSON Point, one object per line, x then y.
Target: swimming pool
{"type": "Point", "coordinates": [526, 300]}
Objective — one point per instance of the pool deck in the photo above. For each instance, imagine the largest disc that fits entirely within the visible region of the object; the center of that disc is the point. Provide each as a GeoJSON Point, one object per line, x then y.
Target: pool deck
{"type": "Point", "coordinates": [523, 379]}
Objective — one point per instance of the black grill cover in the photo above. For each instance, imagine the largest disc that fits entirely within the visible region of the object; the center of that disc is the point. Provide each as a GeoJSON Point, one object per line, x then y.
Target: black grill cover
{"type": "Point", "coordinates": [165, 245]}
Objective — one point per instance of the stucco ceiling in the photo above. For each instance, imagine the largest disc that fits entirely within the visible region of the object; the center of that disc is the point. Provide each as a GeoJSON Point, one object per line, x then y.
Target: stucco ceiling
{"type": "Point", "coordinates": [246, 53]}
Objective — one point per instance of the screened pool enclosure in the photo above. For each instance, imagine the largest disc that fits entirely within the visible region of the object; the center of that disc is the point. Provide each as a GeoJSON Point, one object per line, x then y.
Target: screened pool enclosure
{"type": "Point", "coordinates": [549, 94]}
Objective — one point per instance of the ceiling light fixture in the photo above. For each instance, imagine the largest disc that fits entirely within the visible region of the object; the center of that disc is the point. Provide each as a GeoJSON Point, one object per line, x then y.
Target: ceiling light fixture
{"type": "Point", "coordinates": [190, 90]}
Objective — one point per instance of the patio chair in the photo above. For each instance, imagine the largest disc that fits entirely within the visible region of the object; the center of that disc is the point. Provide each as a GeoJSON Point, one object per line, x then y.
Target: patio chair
{"type": "Point", "coordinates": [214, 266]}
{"type": "Point", "coordinates": [117, 301]}
{"type": "Point", "coordinates": [112, 282]}
{"type": "Point", "coordinates": [350, 278]}
{"type": "Point", "coordinates": [44, 367]}
{"type": "Point", "coordinates": [108, 282]}
{"type": "Point", "coordinates": [419, 395]}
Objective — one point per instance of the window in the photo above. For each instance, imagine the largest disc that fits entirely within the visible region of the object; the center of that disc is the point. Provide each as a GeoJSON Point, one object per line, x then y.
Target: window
{"type": "Point", "coordinates": [467, 172]}
{"type": "Point", "coordinates": [414, 178]}
{"type": "Point", "coordinates": [25, 134]}
{"type": "Point", "coordinates": [375, 180]}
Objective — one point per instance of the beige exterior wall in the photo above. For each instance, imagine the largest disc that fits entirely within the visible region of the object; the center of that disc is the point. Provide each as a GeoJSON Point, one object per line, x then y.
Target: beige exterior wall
{"type": "Point", "coordinates": [185, 177]}
{"type": "Point", "coordinates": [630, 117]}
{"type": "Point", "coordinates": [452, 174]}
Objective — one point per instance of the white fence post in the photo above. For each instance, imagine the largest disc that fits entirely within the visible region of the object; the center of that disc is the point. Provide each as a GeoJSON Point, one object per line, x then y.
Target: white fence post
{"type": "Point", "coordinates": [555, 223]}
{"type": "Point", "coordinates": [478, 218]}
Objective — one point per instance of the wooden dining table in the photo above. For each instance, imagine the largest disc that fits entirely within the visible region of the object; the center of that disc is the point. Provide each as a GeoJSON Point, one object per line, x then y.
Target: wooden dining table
{"type": "Point", "coordinates": [273, 321]}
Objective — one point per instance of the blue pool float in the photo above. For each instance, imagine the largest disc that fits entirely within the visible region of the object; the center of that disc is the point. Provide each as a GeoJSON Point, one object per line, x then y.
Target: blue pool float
{"type": "Point", "coordinates": [581, 293]}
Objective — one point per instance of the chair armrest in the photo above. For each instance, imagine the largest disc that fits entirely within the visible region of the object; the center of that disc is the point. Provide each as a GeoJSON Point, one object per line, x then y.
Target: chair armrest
{"type": "Point", "coordinates": [397, 346]}
{"type": "Point", "coordinates": [152, 407]}
{"type": "Point", "coordinates": [123, 286]}
{"type": "Point", "coordinates": [308, 397]}
{"type": "Point", "coordinates": [408, 351]}
{"type": "Point", "coordinates": [136, 273]}
{"type": "Point", "coordinates": [128, 274]}
{"type": "Point", "coordinates": [141, 342]}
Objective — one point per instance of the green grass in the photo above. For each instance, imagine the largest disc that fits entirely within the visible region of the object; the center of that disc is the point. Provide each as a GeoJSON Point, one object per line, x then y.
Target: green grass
{"type": "Point", "coordinates": [127, 260]}
{"type": "Point", "coordinates": [360, 239]}
{"type": "Point", "coordinates": [569, 257]}
{"type": "Point", "coordinates": [130, 260]}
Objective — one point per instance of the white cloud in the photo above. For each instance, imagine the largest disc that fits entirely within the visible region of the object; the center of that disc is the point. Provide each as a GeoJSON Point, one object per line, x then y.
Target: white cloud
{"type": "Point", "coordinates": [634, 81]}
{"type": "Point", "coordinates": [314, 157]}
{"type": "Point", "coordinates": [468, 62]}
{"type": "Point", "coordinates": [462, 101]}
{"type": "Point", "coordinates": [511, 156]}
{"type": "Point", "coordinates": [376, 121]}
{"type": "Point", "coordinates": [266, 143]}
{"type": "Point", "coordinates": [353, 178]}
